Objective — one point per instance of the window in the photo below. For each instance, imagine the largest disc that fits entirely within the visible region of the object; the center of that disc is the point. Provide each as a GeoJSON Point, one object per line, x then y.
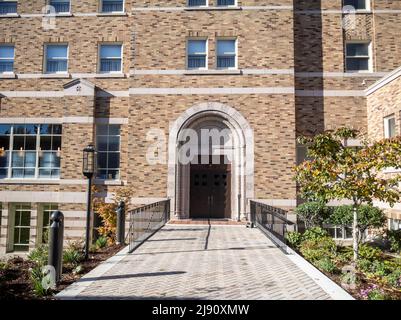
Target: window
{"type": "Point", "coordinates": [46, 212]}
{"type": "Point", "coordinates": [358, 4]}
{"type": "Point", "coordinates": [226, 54]}
{"type": "Point", "coordinates": [358, 56]}
{"type": "Point", "coordinates": [196, 54]}
{"type": "Point", "coordinates": [226, 2]}
{"type": "Point", "coordinates": [60, 6]}
{"type": "Point", "coordinates": [22, 226]}
{"type": "Point", "coordinates": [112, 6]}
{"type": "Point", "coordinates": [108, 151]}
{"type": "Point", "coordinates": [30, 151]}
{"type": "Point", "coordinates": [56, 58]}
{"type": "Point", "coordinates": [8, 7]}
{"type": "Point", "coordinates": [339, 232]}
{"type": "Point", "coordinates": [197, 3]}
{"type": "Point", "coordinates": [6, 58]}
{"type": "Point", "coordinates": [110, 58]}
{"type": "Point", "coordinates": [394, 224]}
{"type": "Point", "coordinates": [389, 127]}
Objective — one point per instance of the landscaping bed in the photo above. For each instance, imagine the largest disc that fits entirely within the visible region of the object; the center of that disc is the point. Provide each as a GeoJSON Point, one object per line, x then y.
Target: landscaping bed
{"type": "Point", "coordinates": [16, 274]}
{"type": "Point", "coordinates": [375, 276]}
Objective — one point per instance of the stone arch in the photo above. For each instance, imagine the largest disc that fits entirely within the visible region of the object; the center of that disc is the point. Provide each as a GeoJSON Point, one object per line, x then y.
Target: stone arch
{"type": "Point", "coordinates": [243, 138]}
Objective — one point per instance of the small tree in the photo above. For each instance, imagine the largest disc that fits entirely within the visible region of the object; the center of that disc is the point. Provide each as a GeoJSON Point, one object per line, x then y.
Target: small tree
{"type": "Point", "coordinates": [337, 171]}
{"type": "Point", "coordinates": [107, 212]}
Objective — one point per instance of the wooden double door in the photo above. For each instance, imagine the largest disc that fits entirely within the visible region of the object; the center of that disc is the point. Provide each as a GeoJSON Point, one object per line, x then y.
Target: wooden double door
{"type": "Point", "coordinates": [210, 191]}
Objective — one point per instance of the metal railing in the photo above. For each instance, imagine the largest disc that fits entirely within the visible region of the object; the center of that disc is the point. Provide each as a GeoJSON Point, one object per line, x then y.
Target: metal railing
{"type": "Point", "coordinates": [145, 221]}
{"type": "Point", "coordinates": [197, 61]}
{"type": "Point", "coordinates": [226, 62]}
{"type": "Point", "coordinates": [112, 6]}
{"type": "Point", "coordinates": [271, 220]}
{"type": "Point", "coordinates": [61, 7]}
{"type": "Point", "coordinates": [196, 3]}
{"type": "Point", "coordinates": [226, 2]}
{"type": "Point", "coordinates": [8, 7]}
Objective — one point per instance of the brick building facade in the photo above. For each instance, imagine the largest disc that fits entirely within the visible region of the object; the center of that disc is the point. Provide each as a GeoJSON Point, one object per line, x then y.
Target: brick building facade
{"type": "Point", "coordinates": [110, 72]}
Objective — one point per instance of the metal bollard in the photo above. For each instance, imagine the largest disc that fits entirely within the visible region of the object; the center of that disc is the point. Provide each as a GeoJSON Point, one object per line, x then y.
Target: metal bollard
{"type": "Point", "coordinates": [120, 232]}
{"type": "Point", "coordinates": [56, 237]}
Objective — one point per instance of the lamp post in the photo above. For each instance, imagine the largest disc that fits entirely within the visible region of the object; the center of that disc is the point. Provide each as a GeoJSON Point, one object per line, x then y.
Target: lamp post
{"type": "Point", "coordinates": [88, 169]}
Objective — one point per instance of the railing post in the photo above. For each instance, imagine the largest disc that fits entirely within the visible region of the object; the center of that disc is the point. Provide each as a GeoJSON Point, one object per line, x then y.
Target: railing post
{"type": "Point", "coordinates": [56, 236]}
{"type": "Point", "coordinates": [120, 232]}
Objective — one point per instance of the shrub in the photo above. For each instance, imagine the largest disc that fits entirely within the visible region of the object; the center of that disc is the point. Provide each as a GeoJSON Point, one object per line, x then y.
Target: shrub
{"type": "Point", "coordinates": [315, 233]}
{"type": "Point", "coordinates": [364, 265]}
{"type": "Point", "coordinates": [326, 264]}
{"type": "Point", "coordinates": [37, 275]}
{"type": "Point", "coordinates": [72, 257]}
{"type": "Point", "coordinates": [101, 242]}
{"type": "Point", "coordinates": [379, 268]}
{"type": "Point", "coordinates": [349, 278]}
{"type": "Point", "coordinates": [373, 292]}
{"type": "Point", "coordinates": [344, 254]}
{"type": "Point", "coordinates": [3, 264]}
{"type": "Point", "coordinates": [394, 278]}
{"type": "Point", "coordinates": [294, 239]}
{"type": "Point", "coordinates": [39, 255]}
{"type": "Point", "coordinates": [394, 237]}
{"type": "Point", "coordinates": [369, 253]}
{"type": "Point", "coordinates": [312, 213]}
{"type": "Point", "coordinates": [316, 249]}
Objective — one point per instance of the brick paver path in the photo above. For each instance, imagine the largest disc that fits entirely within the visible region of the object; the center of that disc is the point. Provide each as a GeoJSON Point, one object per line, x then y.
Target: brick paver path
{"type": "Point", "coordinates": [205, 262]}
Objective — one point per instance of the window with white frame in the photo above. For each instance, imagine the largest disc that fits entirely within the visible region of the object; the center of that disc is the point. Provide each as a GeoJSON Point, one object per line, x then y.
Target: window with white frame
{"type": "Point", "coordinates": [197, 54]}
{"type": "Point", "coordinates": [226, 3]}
{"type": "Point", "coordinates": [339, 232]}
{"type": "Point", "coordinates": [394, 224]}
{"type": "Point", "coordinates": [61, 6]}
{"type": "Point", "coordinates": [108, 151]}
{"type": "Point", "coordinates": [6, 58]}
{"type": "Point", "coordinates": [56, 58]}
{"type": "Point", "coordinates": [358, 4]}
{"type": "Point", "coordinates": [358, 56]}
{"type": "Point", "coordinates": [110, 58]}
{"type": "Point", "coordinates": [389, 127]}
{"type": "Point", "coordinates": [112, 6]}
{"type": "Point", "coordinates": [226, 53]}
{"type": "Point", "coordinates": [197, 3]}
{"type": "Point", "coordinates": [30, 151]}
{"type": "Point", "coordinates": [21, 227]}
{"type": "Point", "coordinates": [8, 7]}
{"type": "Point", "coordinates": [45, 213]}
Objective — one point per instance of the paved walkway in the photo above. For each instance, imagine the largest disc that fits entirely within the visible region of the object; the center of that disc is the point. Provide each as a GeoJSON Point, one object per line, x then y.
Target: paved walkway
{"type": "Point", "coordinates": [201, 262]}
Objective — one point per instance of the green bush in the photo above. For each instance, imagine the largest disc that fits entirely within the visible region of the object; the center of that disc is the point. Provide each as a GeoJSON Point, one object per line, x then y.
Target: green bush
{"type": "Point", "coordinates": [39, 255]}
{"type": "Point", "coordinates": [3, 264]}
{"type": "Point", "coordinates": [394, 237]}
{"type": "Point", "coordinates": [317, 249]}
{"type": "Point", "coordinates": [315, 233]}
{"type": "Point", "coordinates": [394, 278]}
{"type": "Point", "coordinates": [326, 264]}
{"type": "Point", "coordinates": [294, 239]}
{"type": "Point", "coordinates": [313, 213]}
{"type": "Point", "coordinates": [364, 265]}
{"type": "Point", "coordinates": [36, 276]}
{"type": "Point", "coordinates": [72, 257]}
{"type": "Point", "coordinates": [101, 242]}
{"type": "Point", "coordinates": [369, 253]}
{"type": "Point", "coordinates": [377, 294]}
{"type": "Point", "coordinates": [379, 268]}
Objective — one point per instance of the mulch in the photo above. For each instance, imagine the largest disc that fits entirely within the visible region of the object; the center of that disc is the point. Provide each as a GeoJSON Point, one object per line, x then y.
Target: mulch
{"type": "Point", "coordinates": [16, 285]}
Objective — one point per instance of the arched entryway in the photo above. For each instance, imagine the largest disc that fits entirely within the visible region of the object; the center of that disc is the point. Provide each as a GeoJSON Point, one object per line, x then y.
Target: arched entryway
{"type": "Point", "coordinates": [218, 180]}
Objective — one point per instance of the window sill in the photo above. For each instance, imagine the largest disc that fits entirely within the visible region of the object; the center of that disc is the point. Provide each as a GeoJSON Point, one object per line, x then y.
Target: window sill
{"type": "Point", "coordinates": [29, 181]}
{"type": "Point", "coordinates": [7, 75]}
{"type": "Point", "coordinates": [11, 15]}
{"type": "Point", "coordinates": [221, 8]}
{"type": "Point", "coordinates": [112, 14]}
{"type": "Point", "coordinates": [56, 76]}
{"type": "Point", "coordinates": [109, 182]}
{"type": "Point", "coordinates": [110, 75]}
{"type": "Point", "coordinates": [214, 72]}
{"type": "Point", "coordinates": [64, 14]}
